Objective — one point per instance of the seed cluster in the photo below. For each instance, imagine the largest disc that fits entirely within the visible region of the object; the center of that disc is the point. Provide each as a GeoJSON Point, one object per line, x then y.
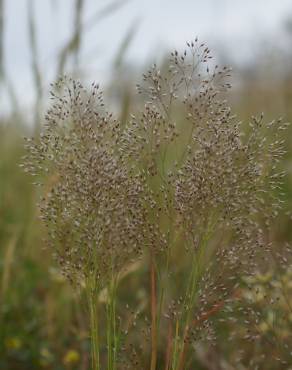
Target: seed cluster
{"type": "Point", "coordinates": [93, 203]}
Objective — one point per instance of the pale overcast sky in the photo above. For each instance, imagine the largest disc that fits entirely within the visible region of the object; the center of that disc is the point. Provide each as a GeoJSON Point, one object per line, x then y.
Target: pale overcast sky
{"type": "Point", "coordinates": [238, 25]}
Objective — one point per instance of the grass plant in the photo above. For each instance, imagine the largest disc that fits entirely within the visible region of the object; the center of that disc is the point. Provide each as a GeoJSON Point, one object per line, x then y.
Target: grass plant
{"type": "Point", "coordinates": [182, 188]}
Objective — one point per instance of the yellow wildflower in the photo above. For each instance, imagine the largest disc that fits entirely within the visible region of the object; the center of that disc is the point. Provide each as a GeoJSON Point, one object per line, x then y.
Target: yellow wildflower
{"type": "Point", "coordinates": [71, 357]}
{"type": "Point", "coordinates": [13, 343]}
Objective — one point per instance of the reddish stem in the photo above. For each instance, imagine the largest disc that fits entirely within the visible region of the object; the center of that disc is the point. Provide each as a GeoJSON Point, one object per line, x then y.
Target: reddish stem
{"type": "Point", "coordinates": [169, 347]}
{"type": "Point", "coordinates": [213, 310]}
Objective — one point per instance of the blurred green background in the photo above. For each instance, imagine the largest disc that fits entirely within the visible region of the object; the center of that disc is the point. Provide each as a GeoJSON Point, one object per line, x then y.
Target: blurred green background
{"type": "Point", "coordinates": [42, 324]}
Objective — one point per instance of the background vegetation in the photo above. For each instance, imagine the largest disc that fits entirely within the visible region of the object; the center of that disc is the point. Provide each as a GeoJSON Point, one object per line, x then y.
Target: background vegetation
{"type": "Point", "coordinates": [42, 323]}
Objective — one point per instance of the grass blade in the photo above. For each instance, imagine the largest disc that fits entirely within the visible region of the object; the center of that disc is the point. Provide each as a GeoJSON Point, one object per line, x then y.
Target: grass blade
{"type": "Point", "coordinates": [35, 65]}
{"type": "Point", "coordinates": [7, 263]}
{"type": "Point", "coordinates": [72, 48]}
{"type": "Point", "coordinates": [103, 13]}
{"type": "Point", "coordinates": [125, 44]}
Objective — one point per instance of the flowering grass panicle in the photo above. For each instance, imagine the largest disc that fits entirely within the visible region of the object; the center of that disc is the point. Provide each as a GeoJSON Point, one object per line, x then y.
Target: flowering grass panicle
{"type": "Point", "coordinates": [182, 186]}
{"type": "Point", "coordinates": [92, 204]}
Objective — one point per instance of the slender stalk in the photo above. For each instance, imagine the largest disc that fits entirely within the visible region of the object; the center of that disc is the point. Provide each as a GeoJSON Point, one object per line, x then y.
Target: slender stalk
{"type": "Point", "coordinates": [95, 360]}
{"type": "Point", "coordinates": [191, 293]}
{"type": "Point", "coordinates": [182, 356]}
{"type": "Point", "coordinates": [169, 347]}
{"type": "Point", "coordinates": [162, 291]}
{"type": "Point", "coordinates": [205, 316]}
{"type": "Point", "coordinates": [108, 335]}
{"type": "Point", "coordinates": [176, 345]}
{"type": "Point", "coordinates": [35, 65]}
{"type": "Point", "coordinates": [112, 335]}
{"type": "Point", "coordinates": [164, 277]}
{"type": "Point", "coordinates": [153, 315]}
{"type": "Point", "coordinates": [115, 334]}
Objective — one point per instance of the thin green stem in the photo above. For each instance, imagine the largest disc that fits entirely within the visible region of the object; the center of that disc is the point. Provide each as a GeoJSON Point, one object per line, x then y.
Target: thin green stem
{"type": "Point", "coordinates": [94, 334]}
{"type": "Point", "coordinates": [153, 315]}
{"type": "Point", "coordinates": [191, 293]}
{"type": "Point", "coordinates": [176, 346]}
{"type": "Point", "coordinates": [112, 335]}
{"type": "Point", "coordinates": [163, 287]}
